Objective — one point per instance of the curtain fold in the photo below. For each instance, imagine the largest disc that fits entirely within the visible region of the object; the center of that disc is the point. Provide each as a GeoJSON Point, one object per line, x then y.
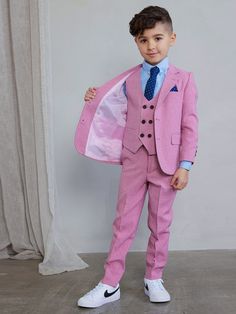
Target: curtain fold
{"type": "Point", "coordinates": [28, 218]}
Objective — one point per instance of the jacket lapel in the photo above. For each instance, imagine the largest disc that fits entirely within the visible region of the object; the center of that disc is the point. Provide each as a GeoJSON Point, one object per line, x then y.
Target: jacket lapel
{"type": "Point", "coordinates": [169, 81]}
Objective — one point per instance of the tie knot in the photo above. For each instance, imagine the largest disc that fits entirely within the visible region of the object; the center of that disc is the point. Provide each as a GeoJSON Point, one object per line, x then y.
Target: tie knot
{"type": "Point", "coordinates": [154, 71]}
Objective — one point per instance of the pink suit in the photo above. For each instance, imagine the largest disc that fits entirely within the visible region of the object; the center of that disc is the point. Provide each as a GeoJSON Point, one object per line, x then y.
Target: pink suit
{"type": "Point", "coordinates": [149, 139]}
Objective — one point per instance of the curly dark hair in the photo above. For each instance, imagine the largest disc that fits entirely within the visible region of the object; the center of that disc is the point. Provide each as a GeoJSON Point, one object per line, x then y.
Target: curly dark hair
{"type": "Point", "coordinates": [147, 18]}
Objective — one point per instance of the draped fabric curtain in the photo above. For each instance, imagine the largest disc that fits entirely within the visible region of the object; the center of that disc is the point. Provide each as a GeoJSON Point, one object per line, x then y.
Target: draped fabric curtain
{"type": "Point", "coordinates": [28, 218]}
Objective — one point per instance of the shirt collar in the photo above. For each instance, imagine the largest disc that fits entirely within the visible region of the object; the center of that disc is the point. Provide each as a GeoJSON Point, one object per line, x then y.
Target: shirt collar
{"type": "Point", "coordinates": [163, 65]}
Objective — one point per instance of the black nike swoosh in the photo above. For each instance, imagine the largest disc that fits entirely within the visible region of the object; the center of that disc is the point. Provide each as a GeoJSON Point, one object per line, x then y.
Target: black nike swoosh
{"type": "Point", "coordinates": [146, 286]}
{"type": "Point", "coordinates": [108, 294]}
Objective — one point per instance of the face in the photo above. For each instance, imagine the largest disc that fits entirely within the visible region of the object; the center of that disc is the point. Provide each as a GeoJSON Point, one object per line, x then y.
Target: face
{"type": "Point", "coordinates": [155, 42]}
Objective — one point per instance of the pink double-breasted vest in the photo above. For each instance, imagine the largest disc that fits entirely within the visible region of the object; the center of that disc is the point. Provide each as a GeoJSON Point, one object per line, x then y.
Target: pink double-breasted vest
{"type": "Point", "coordinates": [140, 116]}
{"type": "Point", "coordinates": [111, 121]}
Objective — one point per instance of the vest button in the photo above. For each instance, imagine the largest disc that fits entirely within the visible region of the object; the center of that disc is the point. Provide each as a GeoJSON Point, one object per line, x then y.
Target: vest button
{"type": "Point", "coordinates": [150, 121]}
{"type": "Point", "coordinates": [143, 121]}
{"type": "Point", "coordinates": [151, 106]}
{"type": "Point", "coordinates": [149, 135]}
{"type": "Point", "coordinates": [144, 106]}
{"type": "Point", "coordinates": [142, 135]}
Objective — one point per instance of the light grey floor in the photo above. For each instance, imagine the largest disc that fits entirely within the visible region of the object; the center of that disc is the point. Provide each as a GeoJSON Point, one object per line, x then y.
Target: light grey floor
{"type": "Point", "coordinates": [200, 282]}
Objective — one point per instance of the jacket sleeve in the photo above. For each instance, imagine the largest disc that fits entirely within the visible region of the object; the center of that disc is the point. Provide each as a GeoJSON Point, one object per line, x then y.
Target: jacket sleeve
{"type": "Point", "coordinates": [189, 123]}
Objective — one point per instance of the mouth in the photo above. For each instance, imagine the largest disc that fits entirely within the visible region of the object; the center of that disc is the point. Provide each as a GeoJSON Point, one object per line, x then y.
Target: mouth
{"type": "Point", "coordinates": [152, 54]}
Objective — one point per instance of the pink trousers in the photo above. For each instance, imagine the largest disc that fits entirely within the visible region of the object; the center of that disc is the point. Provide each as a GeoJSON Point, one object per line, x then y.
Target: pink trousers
{"type": "Point", "coordinates": [140, 173]}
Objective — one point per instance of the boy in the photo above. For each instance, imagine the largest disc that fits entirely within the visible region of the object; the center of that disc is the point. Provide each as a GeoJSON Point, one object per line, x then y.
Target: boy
{"type": "Point", "coordinates": [144, 119]}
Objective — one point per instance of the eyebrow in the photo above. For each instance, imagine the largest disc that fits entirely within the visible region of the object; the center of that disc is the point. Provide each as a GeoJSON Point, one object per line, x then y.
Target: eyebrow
{"type": "Point", "coordinates": [142, 36]}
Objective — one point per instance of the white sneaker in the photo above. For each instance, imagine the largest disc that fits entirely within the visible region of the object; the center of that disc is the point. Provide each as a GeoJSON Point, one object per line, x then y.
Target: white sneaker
{"type": "Point", "coordinates": [155, 290]}
{"type": "Point", "coordinates": [100, 295]}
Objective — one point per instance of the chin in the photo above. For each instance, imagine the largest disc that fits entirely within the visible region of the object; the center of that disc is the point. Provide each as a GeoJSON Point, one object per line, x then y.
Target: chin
{"type": "Point", "coordinates": [151, 61]}
{"type": "Point", "coordinates": [156, 60]}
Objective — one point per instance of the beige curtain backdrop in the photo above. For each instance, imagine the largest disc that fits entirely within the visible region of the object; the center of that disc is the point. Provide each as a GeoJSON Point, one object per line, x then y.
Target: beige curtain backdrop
{"type": "Point", "coordinates": [28, 220]}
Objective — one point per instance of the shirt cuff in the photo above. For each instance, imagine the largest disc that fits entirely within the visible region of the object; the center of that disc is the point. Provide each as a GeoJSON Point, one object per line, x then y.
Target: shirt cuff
{"type": "Point", "coordinates": [186, 164]}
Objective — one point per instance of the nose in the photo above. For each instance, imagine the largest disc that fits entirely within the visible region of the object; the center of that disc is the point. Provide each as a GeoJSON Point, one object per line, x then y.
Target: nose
{"type": "Point", "coordinates": [151, 45]}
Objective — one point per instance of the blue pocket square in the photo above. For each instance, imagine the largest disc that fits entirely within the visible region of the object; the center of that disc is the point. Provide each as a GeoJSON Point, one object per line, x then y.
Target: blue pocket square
{"type": "Point", "coordinates": [174, 89]}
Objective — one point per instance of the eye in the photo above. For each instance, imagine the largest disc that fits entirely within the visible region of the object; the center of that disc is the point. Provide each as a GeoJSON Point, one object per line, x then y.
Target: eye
{"type": "Point", "coordinates": [158, 38]}
{"type": "Point", "coordinates": [142, 40]}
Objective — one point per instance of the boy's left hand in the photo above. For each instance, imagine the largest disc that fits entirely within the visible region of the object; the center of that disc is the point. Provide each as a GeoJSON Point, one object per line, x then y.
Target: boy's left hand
{"type": "Point", "coordinates": [180, 179]}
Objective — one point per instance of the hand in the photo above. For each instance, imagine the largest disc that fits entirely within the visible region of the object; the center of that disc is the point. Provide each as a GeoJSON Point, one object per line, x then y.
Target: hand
{"type": "Point", "coordinates": [90, 93]}
{"type": "Point", "coordinates": [180, 179]}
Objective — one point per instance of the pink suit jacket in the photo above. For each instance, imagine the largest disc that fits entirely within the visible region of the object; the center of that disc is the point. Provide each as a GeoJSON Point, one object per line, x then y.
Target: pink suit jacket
{"type": "Point", "coordinates": [102, 130]}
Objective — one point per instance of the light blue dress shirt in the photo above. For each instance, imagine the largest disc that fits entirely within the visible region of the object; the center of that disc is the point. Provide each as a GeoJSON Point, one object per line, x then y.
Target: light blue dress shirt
{"type": "Point", "coordinates": [145, 74]}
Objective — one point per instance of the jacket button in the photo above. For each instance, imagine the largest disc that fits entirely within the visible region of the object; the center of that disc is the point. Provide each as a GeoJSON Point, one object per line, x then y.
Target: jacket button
{"type": "Point", "coordinates": [143, 121]}
{"type": "Point", "coordinates": [142, 135]}
{"type": "Point", "coordinates": [144, 106]}
{"type": "Point", "coordinates": [149, 135]}
{"type": "Point", "coordinates": [150, 121]}
{"type": "Point", "coordinates": [151, 106]}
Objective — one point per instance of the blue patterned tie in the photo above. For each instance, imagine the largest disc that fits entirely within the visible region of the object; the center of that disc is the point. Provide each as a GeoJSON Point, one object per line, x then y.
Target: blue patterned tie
{"type": "Point", "coordinates": [151, 83]}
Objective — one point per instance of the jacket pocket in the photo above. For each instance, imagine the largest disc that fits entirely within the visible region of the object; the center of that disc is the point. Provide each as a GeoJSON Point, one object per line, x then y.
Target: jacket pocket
{"type": "Point", "coordinates": [176, 139]}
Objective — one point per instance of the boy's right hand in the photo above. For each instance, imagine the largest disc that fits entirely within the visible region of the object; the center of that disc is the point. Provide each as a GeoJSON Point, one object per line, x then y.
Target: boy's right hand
{"type": "Point", "coordinates": [90, 93]}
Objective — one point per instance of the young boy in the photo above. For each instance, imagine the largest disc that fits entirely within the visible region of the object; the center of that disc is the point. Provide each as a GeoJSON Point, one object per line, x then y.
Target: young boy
{"type": "Point", "coordinates": [144, 119]}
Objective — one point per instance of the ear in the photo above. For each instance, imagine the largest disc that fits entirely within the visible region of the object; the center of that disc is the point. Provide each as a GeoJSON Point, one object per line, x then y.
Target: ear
{"type": "Point", "coordinates": [172, 39]}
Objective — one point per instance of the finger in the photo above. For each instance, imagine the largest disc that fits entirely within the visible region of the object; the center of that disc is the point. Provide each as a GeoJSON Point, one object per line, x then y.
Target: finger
{"type": "Point", "coordinates": [173, 180]}
{"type": "Point", "coordinates": [182, 185]}
{"type": "Point", "coordinates": [89, 95]}
{"type": "Point", "coordinates": [87, 98]}
{"type": "Point", "coordinates": [92, 89]}
{"type": "Point", "coordinates": [92, 93]}
{"type": "Point", "coordinates": [178, 184]}
{"type": "Point", "coordinates": [175, 185]}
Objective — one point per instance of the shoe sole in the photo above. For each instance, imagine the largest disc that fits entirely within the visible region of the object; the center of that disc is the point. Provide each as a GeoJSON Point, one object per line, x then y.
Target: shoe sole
{"type": "Point", "coordinates": [155, 300]}
{"type": "Point", "coordinates": [113, 299]}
